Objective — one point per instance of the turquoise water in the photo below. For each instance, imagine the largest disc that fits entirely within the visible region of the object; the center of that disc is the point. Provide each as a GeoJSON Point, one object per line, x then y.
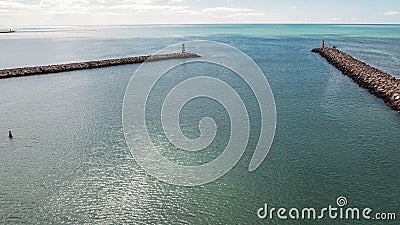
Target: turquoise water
{"type": "Point", "coordinates": [69, 162]}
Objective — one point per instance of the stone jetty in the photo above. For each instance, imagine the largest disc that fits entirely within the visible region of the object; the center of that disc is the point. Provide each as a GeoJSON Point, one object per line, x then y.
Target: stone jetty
{"type": "Point", "coordinates": [374, 80]}
{"type": "Point", "coordinates": [37, 70]}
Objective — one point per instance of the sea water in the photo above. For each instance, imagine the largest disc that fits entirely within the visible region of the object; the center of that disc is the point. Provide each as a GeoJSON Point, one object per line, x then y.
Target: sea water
{"type": "Point", "coordinates": [69, 162]}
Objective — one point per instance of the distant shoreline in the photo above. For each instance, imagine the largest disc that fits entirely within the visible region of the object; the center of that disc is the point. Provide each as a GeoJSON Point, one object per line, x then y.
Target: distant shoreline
{"type": "Point", "coordinates": [7, 32]}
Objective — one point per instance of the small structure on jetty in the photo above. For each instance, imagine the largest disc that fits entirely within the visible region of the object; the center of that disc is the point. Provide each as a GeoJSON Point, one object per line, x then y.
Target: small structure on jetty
{"type": "Point", "coordinates": [183, 48]}
{"type": "Point", "coordinates": [377, 82]}
{"type": "Point", "coordinates": [36, 70]}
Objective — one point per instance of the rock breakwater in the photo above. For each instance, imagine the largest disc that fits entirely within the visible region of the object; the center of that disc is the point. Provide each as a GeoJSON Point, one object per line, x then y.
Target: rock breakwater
{"type": "Point", "coordinates": [37, 70]}
{"type": "Point", "coordinates": [377, 82]}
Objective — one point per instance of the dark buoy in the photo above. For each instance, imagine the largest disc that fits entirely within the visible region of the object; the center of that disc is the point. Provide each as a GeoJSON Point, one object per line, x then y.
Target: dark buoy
{"type": "Point", "coordinates": [10, 135]}
{"type": "Point", "coordinates": [323, 43]}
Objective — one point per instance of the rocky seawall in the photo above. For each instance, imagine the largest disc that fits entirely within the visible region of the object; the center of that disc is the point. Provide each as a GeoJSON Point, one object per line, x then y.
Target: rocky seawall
{"type": "Point", "coordinates": [37, 70]}
{"type": "Point", "coordinates": [377, 82]}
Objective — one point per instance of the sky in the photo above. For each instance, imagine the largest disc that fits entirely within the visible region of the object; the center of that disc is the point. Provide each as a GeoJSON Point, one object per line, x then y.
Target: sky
{"type": "Point", "coordinates": [107, 12]}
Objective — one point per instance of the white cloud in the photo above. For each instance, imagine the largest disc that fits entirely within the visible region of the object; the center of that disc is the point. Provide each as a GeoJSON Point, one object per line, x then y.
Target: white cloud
{"type": "Point", "coordinates": [86, 6]}
{"type": "Point", "coordinates": [226, 10]}
{"type": "Point", "coordinates": [132, 11]}
{"type": "Point", "coordinates": [391, 13]}
{"type": "Point", "coordinates": [243, 15]}
{"type": "Point", "coordinates": [336, 19]}
{"type": "Point", "coordinates": [91, 7]}
{"type": "Point", "coordinates": [65, 12]}
{"type": "Point", "coordinates": [142, 7]}
{"type": "Point", "coordinates": [14, 6]}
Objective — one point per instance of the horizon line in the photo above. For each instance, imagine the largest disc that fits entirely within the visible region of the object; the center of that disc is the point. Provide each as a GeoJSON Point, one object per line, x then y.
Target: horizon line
{"type": "Point", "coordinates": [183, 24]}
